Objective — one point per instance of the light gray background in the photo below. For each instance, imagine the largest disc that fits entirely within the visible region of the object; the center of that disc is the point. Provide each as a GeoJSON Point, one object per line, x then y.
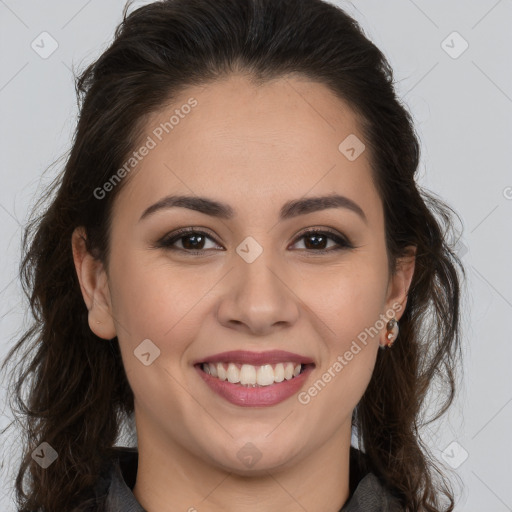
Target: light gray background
{"type": "Point", "coordinates": [463, 112]}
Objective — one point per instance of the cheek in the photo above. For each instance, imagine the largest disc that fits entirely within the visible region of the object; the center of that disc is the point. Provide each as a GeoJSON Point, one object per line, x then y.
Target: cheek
{"type": "Point", "coordinates": [150, 300]}
{"type": "Point", "coordinates": [348, 300]}
{"type": "Point", "coordinates": [352, 314]}
{"type": "Point", "coordinates": [358, 323]}
{"type": "Point", "coordinates": [153, 303]}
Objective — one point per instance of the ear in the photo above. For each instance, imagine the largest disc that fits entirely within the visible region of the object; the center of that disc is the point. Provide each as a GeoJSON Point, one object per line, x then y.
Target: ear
{"type": "Point", "coordinates": [400, 282]}
{"type": "Point", "coordinates": [94, 286]}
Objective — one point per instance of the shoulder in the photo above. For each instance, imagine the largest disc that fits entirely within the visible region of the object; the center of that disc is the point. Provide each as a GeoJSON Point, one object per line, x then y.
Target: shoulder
{"type": "Point", "coordinates": [123, 477]}
{"type": "Point", "coordinates": [112, 490]}
{"type": "Point", "coordinates": [127, 459]}
{"type": "Point", "coordinates": [368, 493]}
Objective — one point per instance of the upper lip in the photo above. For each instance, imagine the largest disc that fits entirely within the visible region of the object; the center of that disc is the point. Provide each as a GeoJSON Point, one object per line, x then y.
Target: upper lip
{"type": "Point", "coordinates": [256, 358]}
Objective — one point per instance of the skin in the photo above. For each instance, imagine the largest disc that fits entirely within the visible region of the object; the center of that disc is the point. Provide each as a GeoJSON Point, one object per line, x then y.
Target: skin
{"type": "Point", "coordinates": [253, 147]}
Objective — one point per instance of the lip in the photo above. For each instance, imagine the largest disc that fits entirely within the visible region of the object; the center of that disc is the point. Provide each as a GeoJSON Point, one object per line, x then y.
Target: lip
{"type": "Point", "coordinates": [255, 358]}
{"type": "Point", "coordinates": [263, 396]}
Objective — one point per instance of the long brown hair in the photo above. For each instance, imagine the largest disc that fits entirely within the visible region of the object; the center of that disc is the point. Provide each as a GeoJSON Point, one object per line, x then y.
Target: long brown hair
{"type": "Point", "coordinates": [78, 395]}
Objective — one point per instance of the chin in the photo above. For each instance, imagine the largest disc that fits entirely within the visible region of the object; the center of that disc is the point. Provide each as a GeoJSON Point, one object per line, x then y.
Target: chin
{"type": "Point", "coordinates": [256, 456]}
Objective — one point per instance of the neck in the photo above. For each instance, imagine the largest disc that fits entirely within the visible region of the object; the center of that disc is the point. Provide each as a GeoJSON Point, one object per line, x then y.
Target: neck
{"type": "Point", "coordinates": [175, 479]}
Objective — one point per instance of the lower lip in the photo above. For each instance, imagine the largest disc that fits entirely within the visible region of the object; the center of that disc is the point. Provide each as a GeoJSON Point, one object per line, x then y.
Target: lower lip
{"type": "Point", "coordinates": [259, 396]}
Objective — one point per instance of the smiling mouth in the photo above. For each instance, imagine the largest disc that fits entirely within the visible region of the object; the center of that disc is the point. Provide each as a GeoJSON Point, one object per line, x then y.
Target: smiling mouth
{"type": "Point", "coordinates": [249, 375]}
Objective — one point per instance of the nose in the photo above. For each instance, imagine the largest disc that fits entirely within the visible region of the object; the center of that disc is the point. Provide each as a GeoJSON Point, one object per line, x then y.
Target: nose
{"type": "Point", "coordinates": [258, 299]}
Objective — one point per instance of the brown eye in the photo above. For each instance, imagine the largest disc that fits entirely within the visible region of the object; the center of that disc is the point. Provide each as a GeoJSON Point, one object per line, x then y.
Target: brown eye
{"type": "Point", "coordinates": [317, 241]}
{"type": "Point", "coordinates": [192, 241]}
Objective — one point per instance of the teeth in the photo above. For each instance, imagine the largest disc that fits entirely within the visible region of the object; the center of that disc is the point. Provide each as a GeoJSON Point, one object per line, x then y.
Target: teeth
{"type": "Point", "coordinates": [264, 376]}
{"type": "Point", "coordinates": [233, 374]}
{"type": "Point", "coordinates": [279, 372]}
{"type": "Point", "coordinates": [213, 369]}
{"type": "Point", "coordinates": [221, 372]}
{"type": "Point", "coordinates": [249, 375]}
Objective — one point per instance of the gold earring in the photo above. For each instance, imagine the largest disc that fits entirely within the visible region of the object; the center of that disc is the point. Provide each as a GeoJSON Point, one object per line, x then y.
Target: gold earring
{"type": "Point", "coordinates": [392, 333]}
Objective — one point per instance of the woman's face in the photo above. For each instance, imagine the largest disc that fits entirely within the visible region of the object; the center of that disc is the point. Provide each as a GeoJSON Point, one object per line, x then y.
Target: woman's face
{"type": "Point", "coordinates": [253, 161]}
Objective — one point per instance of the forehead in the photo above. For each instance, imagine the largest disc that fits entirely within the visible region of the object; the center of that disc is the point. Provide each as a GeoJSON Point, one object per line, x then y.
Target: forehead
{"type": "Point", "coordinates": [254, 142]}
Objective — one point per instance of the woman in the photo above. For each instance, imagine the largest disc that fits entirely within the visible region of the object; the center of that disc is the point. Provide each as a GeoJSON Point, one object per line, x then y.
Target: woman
{"type": "Point", "coordinates": [238, 260]}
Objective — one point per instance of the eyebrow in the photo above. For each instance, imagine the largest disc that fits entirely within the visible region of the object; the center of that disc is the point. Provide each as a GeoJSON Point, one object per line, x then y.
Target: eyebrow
{"type": "Point", "coordinates": [289, 210]}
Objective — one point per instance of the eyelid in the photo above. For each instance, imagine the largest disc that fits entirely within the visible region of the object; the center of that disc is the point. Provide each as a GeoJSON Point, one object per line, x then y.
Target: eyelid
{"type": "Point", "coordinates": [181, 233]}
{"type": "Point", "coordinates": [323, 230]}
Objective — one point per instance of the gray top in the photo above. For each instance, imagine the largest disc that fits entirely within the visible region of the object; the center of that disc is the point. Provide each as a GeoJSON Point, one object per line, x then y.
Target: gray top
{"type": "Point", "coordinates": [368, 493]}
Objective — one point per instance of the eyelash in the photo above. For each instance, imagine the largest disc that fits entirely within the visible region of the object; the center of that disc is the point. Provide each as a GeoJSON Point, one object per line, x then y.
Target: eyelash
{"type": "Point", "coordinates": [167, 241]}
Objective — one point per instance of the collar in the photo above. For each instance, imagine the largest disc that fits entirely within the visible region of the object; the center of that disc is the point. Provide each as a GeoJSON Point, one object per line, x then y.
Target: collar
{"type": "Point", "coordinates": [367, 492]}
